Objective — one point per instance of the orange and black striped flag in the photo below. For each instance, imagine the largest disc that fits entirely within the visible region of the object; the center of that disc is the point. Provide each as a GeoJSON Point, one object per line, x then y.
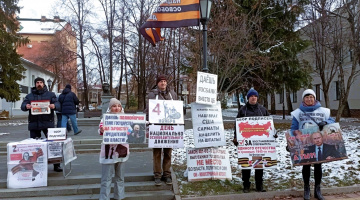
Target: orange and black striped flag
{"type": "Point", "coordinates": [170, 14]}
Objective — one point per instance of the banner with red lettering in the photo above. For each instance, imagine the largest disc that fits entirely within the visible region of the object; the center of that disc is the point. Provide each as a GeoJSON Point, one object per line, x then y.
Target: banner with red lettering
{"type": "Point", "coordinates": [257, 145]}
{"type": "Point", "coordinates": [124, 128]}
{"type": "Point", "coordinates": [27, 164]}
{"type": "Point", "coordinates": [166, 136]}
{"type": "Point", "coordinates": [208, 163]}
{"type": "Point", "coordinates": [311, 146]}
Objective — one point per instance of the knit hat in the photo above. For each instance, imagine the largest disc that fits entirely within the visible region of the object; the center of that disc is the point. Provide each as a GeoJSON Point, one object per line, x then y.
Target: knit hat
{"type": "Point", "coordinates": [113, 101]}
{"type": "Point", "coordinates": [68, 86]}
{"type": "Point", "coordinates": [252, 92]}
{"type": "Point", "coordinates": [308, 92]}
{"type": "Point", "coordinates": [160, 78]}
{"type": "Point", "coordinates": [39, 79]}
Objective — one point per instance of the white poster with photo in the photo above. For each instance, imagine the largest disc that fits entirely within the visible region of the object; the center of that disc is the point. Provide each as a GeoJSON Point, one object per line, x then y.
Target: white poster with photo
{"type": "Point", "coordinates": [40, 107]}
{"type": "Point", "coordinates": [166, 136]}
{"type": "Point", "coordinates": [206, 88]}
{"type": "Point", "coordinates": [69, 151]}
{"type": "Point", "coordinates": [166, 112]}
{"type": "Point", "coordinates": [257, 145]}
{"type": "Point", "coordinates": [56, 134]}
{"type": "Point", "coordinates": [208, 163]}
{"type": "Point", "coordinates": [54, 149]}
{"type": "Point", "coordinates": [124, 128]}
{"type": "Point", "coordinates": [27, 164]}
{"type": "Point", "coordinates": [208, 125]}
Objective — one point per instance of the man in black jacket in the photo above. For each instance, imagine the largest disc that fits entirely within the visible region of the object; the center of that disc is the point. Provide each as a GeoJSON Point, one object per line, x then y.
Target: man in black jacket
{"type": "Point", "coordinates": [42, 122]}
{"type": "Point", "coordinates": [251, 109]}
{"type": "Point", "coordinates": [68, 102]}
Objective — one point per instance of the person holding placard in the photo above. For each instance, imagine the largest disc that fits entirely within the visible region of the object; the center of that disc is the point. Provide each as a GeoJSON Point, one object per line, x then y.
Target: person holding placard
{"type": "Point", "coordinates": [311, 113]}
{"type": "Point", "coordinates": [161, 170]}
{"type": "Point", "coordinates": [41, 122]}
{"type": "Point", "coordinates": [251, 109]}
{"type": "Point", "coordinates": [112, 160]}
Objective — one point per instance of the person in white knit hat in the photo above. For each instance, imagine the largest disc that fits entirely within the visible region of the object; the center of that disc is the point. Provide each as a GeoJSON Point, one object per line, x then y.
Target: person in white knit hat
{"type": "Point", "coordinates": [112, 158]}
{"type": "Point", "coordinates": [310, 114]}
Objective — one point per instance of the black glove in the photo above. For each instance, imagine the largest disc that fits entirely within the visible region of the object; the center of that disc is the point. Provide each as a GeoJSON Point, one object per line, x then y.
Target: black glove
{"type": "Point", "coordinates": [321, 125]}
{"type": "Point", "coordinates": [276, 134]}
{"type": "Point", "coordinates": [235, 142]}
{"type": "Point", "coordinates": [287, 148]}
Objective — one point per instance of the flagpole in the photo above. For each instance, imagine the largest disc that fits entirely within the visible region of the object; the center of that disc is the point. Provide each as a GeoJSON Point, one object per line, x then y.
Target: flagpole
{"type": "Point", "coordinates": [205, 6]}
{"type": "Point", "coordinates": [205, 67]}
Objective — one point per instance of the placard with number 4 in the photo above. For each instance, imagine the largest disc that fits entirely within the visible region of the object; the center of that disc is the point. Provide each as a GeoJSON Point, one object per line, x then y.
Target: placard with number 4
{"type": "Point", "coordinates": [166, 112]}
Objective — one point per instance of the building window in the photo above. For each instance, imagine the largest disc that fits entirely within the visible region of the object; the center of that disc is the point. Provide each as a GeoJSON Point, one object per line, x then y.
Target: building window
{"type": "Point", "coordinates": [317, 92]}
{"type": "Point", "coordinates": [281, 96]}
{"type": "Point", "coordinates": [337, 90]}
{"type": "Point", "coordinates": [294, 97]}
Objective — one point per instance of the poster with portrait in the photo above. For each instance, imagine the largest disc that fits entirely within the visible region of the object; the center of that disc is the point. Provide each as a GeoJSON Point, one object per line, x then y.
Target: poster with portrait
{"type": "Point", "coordinates": [257, 144]}
{"type": "Point", "coordinates": [113, 153]}
{"type": "Point", "coordinates": [208, 126]}
{"type": "Point", "coordinates": [206, 88]}
{"type": "Point", "coordinates": [166, 112]}
{"type": "Point", "coordinates": [208, 163]}
{"type": "Point", "coordinates": [124, 128]}
{"type": "Point", "coordinates": [40, 107]}
{"type": "Point", "coordinates": [27, 164]}
{"type": "Point", "coordinates": [311, 146]}
{"type": "Point", "coordinates": [166, 136]}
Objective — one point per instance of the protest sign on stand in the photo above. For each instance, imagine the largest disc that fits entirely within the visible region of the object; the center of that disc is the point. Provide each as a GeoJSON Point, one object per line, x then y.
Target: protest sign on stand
{"type": "Point", "coordinates": [206, 88]}
{"type": "Point", "coordinates": [166, 136]}
{"type": "Point", "coordinates": [56, 134]}
{"type": "Point", "coordinates": [208, 126]}
{"type": "Point", "coordinates": [55, 149]}
{"type": "Point", "coordinates": [69, 151]}
{"type": "Point", "coordinates": [311, 146]}
{"type": "Point", "coordinates": [120, 128]}
{"type": "Point", "coordinates": [27, 164]}
{"type": "Point", "coordinates": [257, 145]}
{"type": "Point", "coordinates": [166, 112]}
{"type": "Point", "coordinates": [208, 163]}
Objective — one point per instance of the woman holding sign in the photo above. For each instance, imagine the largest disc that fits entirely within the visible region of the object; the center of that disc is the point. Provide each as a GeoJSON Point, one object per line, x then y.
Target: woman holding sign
{"type": "Point", "coordinates": [112, 157]}
{"type": "Point", "coordinates": [251, 109]}
{"type": "Point", "coordinates": [311, 114]}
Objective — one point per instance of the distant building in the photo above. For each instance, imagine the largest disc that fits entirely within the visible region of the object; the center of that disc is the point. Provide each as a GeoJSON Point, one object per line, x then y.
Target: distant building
{"type": "Point", "coordinates": [42, 31]}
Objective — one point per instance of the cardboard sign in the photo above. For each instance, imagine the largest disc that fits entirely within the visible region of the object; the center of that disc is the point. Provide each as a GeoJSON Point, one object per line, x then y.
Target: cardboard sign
{"type": "Point", "coordinates": [40, 107]}
{"type": "Point", "coordinates": [208, 163]}
{"type": "Point", "coordinates": [56, 134]}
{"type": "Point", "coordinates": [208, 125]}
{"type": "Point", "coordinates": [166, 112]}
{"type": "Point", "coordinates": [27, 164]}
{"type": "Point", "coordinates": [310, 146]}
{"type": "Point", "coordinates": [257, 145]}
{"type": "Point", "coordinates": [124, 128]}
{"type": "Point", "coordinates": [166, 136]}
{"type": "Point", "coordinates": [206, 88]}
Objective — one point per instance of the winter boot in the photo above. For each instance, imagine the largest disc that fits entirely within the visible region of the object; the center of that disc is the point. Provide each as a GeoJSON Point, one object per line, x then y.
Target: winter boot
{"type": "Point", "coordinates": [246, 187]}
{"type": "Point", "coordinates": [317, 193]}
{"type": "Point", "coordinates": [259, 187]}
{"type": "Point", "coordinates": [306, 192]}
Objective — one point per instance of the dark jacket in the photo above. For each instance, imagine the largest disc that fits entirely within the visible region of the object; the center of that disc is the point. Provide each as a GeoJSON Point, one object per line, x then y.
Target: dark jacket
{"type": "Point", "coordinates": [40, 122]}
{"type": "Point", "coordinates": [166, 95]}
{"type": "Point", "coordinates": [251, 111]}
{"type": "Point", "coordinates": [68, 101]}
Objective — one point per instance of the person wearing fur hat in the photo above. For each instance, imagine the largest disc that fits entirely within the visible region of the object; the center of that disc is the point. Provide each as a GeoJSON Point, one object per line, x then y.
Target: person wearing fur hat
{"type": "Point", "coordinates": [41, 123]}
{"type": "Point", "coordinates": [318, 117]}
{"type": "Point", "coordinates": [251, 109]}
{"type": "Point", "coordinates": [161, 170]}
{"type": "Point", "coordinates": [69, 101]}
{"type": "Point", "coordinates": [112, 158]}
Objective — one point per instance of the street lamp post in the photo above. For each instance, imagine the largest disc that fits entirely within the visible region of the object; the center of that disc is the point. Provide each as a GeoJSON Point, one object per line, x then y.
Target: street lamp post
{"type": "Point", "coordinates": [205, 6]}
{"type": "Point", "coordinates": [49, 82]}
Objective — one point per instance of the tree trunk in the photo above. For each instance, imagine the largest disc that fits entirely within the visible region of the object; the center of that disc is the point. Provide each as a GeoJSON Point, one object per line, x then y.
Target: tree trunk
{"type": "Point", "coordinates": [288, 103]}
{"type": "Point", "coordinates": [273, 103]}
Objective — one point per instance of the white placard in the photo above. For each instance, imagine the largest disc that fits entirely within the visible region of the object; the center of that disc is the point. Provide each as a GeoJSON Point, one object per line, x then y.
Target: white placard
{"type": "Point", "coordinates": [56, 133]}
{"type": "Point", "coordinates": [257, 145]}
{"type": "Point", "coordinates": [69, 151]}
{"type": "Point", "coordinates": [208, 163]}
{"type": "Point", "coordinates": [208, 125]}
{"type": "Point", "coordinates": [206, 88]}
{"type": "Point", "coordinates": [40, 107]}
{"type": "Point", "coordinates": [55, 149]}
{"type": "Point", "coordinates": [166, 112]}
{"type": "Point", "coordinates": [166, 136]}
{"type": "Point", "coordinates": [27, 164]}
